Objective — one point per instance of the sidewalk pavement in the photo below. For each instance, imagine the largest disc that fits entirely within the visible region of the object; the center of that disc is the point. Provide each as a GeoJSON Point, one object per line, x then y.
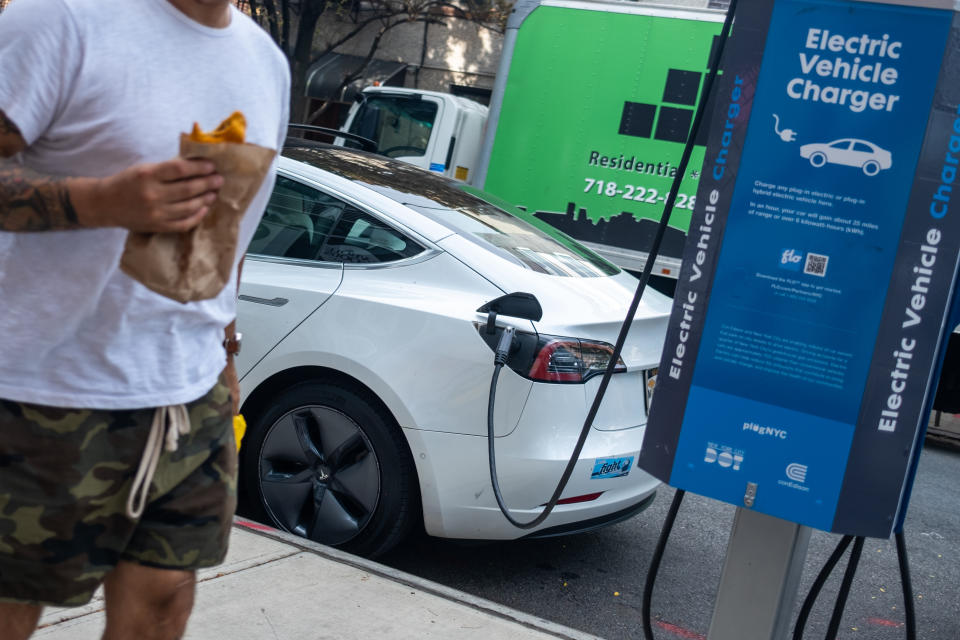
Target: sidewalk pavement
{"type": "Point", "coordinates": [276, 586]}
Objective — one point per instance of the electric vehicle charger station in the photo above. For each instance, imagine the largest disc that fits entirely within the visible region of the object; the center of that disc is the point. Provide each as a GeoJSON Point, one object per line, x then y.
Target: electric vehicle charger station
{"type": "Point", "coordinates": [811, 307]}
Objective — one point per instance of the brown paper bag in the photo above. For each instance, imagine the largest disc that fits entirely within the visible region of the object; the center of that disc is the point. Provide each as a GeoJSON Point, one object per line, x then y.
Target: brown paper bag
{"type": "Point", "coordinates": [196, 264]}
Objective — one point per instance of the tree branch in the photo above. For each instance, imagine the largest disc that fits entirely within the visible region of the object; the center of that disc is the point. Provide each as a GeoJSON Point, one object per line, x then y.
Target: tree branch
{"type": "Point", "coordinates": [285, 26]}
{"type": "Point", "coordinates": [271, 10]}
{"type": "Point", "coordinates": [360, 27]}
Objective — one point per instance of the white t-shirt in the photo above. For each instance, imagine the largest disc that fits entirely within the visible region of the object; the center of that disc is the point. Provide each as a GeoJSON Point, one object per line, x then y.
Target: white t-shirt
{"type": "Point", "coordinates": [96, 86]}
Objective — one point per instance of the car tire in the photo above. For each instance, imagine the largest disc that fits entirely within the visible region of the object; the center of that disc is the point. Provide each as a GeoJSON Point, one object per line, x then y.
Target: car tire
{"type": "Point", "coordinates": [324, 462]}
{"type": "Point", "coordinates": [818, 159]}
{"type": "Point", "coordinates": [871, 167]}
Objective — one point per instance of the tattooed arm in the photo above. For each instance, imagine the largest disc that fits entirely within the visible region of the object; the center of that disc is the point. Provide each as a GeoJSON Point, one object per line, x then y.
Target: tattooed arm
{"type": "Point", "coordinates": [29, 201]}
{"type": "Point", "coordinates": [166, 196]}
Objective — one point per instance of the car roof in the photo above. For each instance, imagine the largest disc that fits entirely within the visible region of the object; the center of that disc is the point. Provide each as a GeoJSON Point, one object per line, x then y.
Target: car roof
{"type": "Point", "coordinates": [436, 206]}
{"type": "Point", "coordinates": [397, 180]}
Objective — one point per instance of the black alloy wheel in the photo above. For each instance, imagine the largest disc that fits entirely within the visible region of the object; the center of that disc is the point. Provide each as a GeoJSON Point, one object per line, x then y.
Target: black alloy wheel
{"type": "Point", "coordinates": [324, 463]}
{"type": "Point", "coordinates": [319, 475]}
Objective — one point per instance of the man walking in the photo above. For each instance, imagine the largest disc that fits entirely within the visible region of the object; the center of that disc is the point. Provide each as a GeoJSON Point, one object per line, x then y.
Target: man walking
{"type": "Point", "coordinates": [94, 367]}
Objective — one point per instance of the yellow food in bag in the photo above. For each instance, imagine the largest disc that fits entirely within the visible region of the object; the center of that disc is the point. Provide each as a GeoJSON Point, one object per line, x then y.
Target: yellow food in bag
{"type": "Point", "coordinates": [233, 129]}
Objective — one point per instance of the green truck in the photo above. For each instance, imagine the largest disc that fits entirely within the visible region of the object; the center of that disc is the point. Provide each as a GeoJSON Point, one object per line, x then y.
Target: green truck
{"type": "Point", "coordinates": [592, 105]}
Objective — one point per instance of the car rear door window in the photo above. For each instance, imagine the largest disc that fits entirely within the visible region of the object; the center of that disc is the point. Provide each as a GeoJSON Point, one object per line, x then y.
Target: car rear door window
{"type": "Point", "coordinates": [304, 223]}
{"type": "Point", "coordinates": [296, 221]}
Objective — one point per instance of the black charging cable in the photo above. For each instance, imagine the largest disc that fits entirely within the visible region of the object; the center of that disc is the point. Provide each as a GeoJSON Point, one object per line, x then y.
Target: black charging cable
{"type": "Point", "coordinates": [817, 586]}
{"type": "Point", "coordinates": [500, 359]}
{"type": "Point", "coordinates": [906, 584]}
{"type": "Point", "coordinates": [828, 567]}
{"type": "Point", "coordinates": [841, 601]}
{"type": "Point", "coordinates": [655, 563]}
{"type": "Point", "coordinates": [707, 95]}
{"type": "Point", "coordinates": [504, 346]}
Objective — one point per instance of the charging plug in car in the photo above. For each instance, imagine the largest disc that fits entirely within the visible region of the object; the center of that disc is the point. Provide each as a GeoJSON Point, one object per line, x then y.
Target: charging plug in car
{"type": "Point", "coordinates": [515, 305]}
{"type": "Point", "coordinates": [504, 347]}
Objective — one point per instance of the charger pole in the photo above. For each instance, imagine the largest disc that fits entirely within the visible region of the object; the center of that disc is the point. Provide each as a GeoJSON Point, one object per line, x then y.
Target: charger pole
{"type": "Point", "coordinates": [760, 579]}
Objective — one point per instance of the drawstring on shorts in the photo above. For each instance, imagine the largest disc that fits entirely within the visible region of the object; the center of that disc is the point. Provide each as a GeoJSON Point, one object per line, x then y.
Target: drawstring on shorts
{"type": "Point", "coordinates": [169, 423]}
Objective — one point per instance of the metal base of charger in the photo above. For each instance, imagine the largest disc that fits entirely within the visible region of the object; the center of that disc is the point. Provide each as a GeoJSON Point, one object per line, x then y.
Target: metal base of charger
{"type": "Point", "coordinates": [761, 578]}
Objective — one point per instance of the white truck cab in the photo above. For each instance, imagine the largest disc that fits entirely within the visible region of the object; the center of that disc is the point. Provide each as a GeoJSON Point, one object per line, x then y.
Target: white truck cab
{"type": "Point", "coordinates": [436, 131]}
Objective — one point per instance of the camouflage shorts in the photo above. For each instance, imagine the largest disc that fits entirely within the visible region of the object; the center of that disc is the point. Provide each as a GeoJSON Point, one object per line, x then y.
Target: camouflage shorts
{"type": "Point", "coordinates": [65, 476]}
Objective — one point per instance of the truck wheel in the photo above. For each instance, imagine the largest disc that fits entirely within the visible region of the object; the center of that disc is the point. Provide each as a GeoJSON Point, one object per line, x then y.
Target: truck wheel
{"type": "Point", "coordinates": [324, 463]}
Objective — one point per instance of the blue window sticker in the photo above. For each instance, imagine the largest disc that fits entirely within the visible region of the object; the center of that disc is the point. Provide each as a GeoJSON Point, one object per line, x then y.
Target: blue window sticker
{"type": "Point", "coordinates": [436, 166]}
{"type": "Point", "coordinates": [611, 467]}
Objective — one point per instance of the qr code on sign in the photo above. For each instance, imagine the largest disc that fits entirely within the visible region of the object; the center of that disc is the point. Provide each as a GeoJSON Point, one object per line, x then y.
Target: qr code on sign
{"type": "Point", "coordinates": [816, 265]}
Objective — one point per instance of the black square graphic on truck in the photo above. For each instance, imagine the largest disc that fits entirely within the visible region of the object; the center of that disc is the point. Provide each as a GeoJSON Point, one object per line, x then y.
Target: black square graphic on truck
{"type": "Point", "coordinates": [637, 119]}
{"type": "Point", "coordinates": [673, 125]}
{"type": "Point", "coordinates": [682, 87]}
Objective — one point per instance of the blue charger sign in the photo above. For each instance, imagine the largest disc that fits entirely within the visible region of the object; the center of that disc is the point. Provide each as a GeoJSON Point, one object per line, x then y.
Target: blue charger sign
{"type": "Point", "coordinates": [824, 244]}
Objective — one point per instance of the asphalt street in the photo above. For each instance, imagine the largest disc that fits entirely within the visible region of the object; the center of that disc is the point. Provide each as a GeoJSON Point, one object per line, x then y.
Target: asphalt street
{"type": "Point", "coordinates": [594, 581]}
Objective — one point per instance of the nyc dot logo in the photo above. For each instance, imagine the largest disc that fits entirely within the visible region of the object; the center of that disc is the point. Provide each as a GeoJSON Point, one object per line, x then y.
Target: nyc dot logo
{"type": "Point", "coordinates": [791, 259]}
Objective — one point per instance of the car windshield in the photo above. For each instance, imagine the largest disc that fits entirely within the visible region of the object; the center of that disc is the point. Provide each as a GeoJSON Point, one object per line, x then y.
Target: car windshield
{"type": "Point", "coordinates": [498, 226]}
{"type": "Point", "coordinates": [395, 123]}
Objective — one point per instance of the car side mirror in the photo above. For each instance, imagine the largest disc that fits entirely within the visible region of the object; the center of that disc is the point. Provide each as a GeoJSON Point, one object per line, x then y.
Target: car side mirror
{"type": "Point", "coordinates": [516, 305]}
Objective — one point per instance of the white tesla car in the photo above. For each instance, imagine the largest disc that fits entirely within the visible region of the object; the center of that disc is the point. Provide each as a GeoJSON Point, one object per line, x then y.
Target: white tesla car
{"type": "Point", "coordinates": [366, 365]}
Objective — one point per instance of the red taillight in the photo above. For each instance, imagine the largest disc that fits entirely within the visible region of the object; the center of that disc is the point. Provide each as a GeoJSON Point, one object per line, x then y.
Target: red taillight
{"type": "Point", "coordinates": [571, 360]}
{"type": "Point", "coordinates": [558, 361]}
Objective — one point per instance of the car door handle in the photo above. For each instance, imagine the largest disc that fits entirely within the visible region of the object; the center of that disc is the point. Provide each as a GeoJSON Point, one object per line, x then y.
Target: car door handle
{"type": "Point", "coordinates": [275, 302]}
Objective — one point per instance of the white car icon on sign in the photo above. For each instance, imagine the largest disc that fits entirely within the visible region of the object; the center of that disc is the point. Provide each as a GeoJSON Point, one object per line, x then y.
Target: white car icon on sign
{"type": "Point", "coordinates": [849, 151]}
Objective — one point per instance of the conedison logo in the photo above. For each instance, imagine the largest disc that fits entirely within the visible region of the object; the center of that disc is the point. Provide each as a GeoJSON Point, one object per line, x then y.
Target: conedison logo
{"type": "Point", "coordinates": [797, 472]}
{"type": "Point", "coordinates": [765, 431]}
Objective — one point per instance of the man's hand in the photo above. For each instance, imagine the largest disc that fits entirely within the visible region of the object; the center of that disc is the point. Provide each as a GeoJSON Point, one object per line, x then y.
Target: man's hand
{"type": "Point", "coordinates": [168, 196]}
